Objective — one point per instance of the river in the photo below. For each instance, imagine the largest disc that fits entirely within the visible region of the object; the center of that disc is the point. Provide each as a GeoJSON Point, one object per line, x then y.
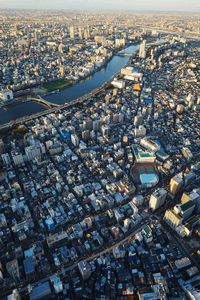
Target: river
{"type": "Point", "coordinates": [70, 93]}
{"type": "Point", "coordinates": [75, 91]}
{"type": "Point", "coordinates": [85, 86]}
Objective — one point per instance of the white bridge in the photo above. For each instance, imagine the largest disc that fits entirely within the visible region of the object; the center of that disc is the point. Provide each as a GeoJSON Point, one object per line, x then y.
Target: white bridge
{"type": "Point", "coordinates": [42, 101]}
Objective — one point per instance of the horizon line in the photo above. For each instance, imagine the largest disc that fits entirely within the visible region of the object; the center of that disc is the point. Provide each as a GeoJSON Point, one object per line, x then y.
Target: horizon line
{"type": "Point", "coordinates": [102, 10]}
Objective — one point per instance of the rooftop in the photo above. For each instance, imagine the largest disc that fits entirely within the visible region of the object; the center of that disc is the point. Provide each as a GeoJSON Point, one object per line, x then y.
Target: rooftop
{"type": "Point", "coordinates": [187, 205]}
{"type": "Point", "coordinates": [149, 178]}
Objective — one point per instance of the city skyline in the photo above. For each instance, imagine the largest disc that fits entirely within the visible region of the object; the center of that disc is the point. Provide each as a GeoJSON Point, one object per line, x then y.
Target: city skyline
{"type": "Point", "coordinates": [144, 5]}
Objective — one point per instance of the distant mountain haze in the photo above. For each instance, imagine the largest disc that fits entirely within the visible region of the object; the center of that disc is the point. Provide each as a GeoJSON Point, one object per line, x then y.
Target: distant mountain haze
{"type": "Point", "coordinates": [160, 5]}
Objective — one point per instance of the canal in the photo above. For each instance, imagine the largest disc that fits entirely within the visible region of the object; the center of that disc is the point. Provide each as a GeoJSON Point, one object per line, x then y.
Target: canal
{"type": "Point", "coordinates": [70, 93]}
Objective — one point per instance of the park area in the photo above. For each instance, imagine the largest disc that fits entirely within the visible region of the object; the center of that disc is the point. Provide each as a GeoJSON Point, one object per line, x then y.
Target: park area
{"type": "Point", "coordinates": [56, 85]}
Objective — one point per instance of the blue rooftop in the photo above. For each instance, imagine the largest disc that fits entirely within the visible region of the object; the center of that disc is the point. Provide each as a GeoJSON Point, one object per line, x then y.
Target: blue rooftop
{"type": "Point", "coordinates": [148, 179]}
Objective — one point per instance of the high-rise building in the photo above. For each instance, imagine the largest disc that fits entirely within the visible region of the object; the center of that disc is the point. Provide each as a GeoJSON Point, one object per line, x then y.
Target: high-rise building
{"type": "Point", "coordinates": [33, 152]}
{"type": "Point", "coordinates": [185, 198]}
{"type": "Point", "coordinates": [115, 118]}
{"type": "Point", "coordinates": [17, 158]}
{"type": "Point", "coordinates": [118, 84]}
{"type": "Point", "coordinates": [185, 210]}
{"type": "Point", "coordinates": [13, 269]}
{"type": "Point", "coordinates": [194, 196]}
{"type": "Point", "coordinates": [60, 48]}
{"type": "Point", "coordinates": [80, 33]}
{"type": "Point", "coordinates": [16, 295]}
{"type": "Point", "coordinates": [88, 124]}
{"type": "Point", "coordinates": [75, 140]}
{"type": "Point", "coordinates": [121, 117]}
{"type": "Point", "coordinates": [157, 199]}
{"type": "Point", "coordinates": [187, 153]}
{"type": "Point", "coordinates": [142, 51]}
{"type": "Point", "coordinates": [84, 269]}
{"type": "Point", "coordinates": [6, 95]}
{"type": "Point", "coordinates": [138, 120]}
{"type": "Point", "coordinates": [172, 218]}
{"type": "Point", "coordinates": [140, 131]}
{"type": "Point", "coordinates": [86, 135]}
{"type": "Point", "coordinates": [180, 108]}
{"type": "Point", "coordinates": [96, 125]}
{"type": "Point", "coordinates": [1, 146]}
{"type": "Point", "coordinates": [105, 130]}
{"type": "Point", "coordinates": [57, 283]}
{"type": "Point", "coordinates": [176, 183]}
{"type": "Point", "coordinates": [149, 144]}
{"type": "Point", "coordinates": [86, 34]}
{"type": "Point", "coordinates": [71, 32]}
{"type": "Point", "coordinates": [41, 291]}
{"type": "Point", "coordinates": [120, 42]}
{"type": "Point", "coordinates": [6, 159]}
{"type": "Point", "coordinates": [62, 71]}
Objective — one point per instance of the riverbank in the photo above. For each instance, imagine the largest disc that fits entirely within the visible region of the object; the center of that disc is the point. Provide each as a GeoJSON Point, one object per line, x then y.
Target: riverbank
{"type": "Point", "coordinates": [56, 85]}
{"type": "Point", "coordinates": [61, 84]}
{"type": "Point", "coordinates": [76, 91]}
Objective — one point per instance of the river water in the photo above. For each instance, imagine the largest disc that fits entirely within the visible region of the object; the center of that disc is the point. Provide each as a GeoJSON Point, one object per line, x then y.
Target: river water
{"type": "Point", "coordinates": [81, 88]}
{"type": "Point", "coordinates": [70, 93]}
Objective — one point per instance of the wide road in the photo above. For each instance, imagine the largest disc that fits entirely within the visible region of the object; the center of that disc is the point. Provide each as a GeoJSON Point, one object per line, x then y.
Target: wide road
{"type": "Point", "coordinates": [66, 269]}
{"type": "Point", "coordinates": [180, 244]}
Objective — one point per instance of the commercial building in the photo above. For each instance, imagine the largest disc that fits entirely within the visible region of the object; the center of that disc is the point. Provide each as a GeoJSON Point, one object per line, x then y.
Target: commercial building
{"type": "Point", "coordinates": [40, 292]}
{"type": "Point", "coordinates": [138, 120]}
{"type": "Point", "coordinates": [142, 156]}
{"type": "Point", "coordinates": [158, 198]}
{"type": "Point", "coordinates": [29, 266]}
{"type": "Point", "coordinates": [127, 71]}
{"type": "Point", "coordinates": [33, 152]}
{"type": "Point", "coordinates": [6, 95]}
{"type": "Point", "coordinates": [71, 32]}
{"type": "Point", "coordinates": [187, 153]}
{"type": "Point", "coordinates": [1, 146]}
{"type": "Point", "coordinates": [140, 131]}
{"type": "Point", "coordinates": [118, 84]}
{"type": "Point", "coordinates": [75, 140]}
{"type": "Point", "coordinates": [142, 50]}
{"type": "Point", "coordinates": [185, 210]}
{"type": "Point", "coordinates": [149, 144]}
{"type": "Point", "coordinates": [120, 42]}
{"type": "Point", "coordinates": [84, 269]}
{"type": "Point", "coordinates": [14, 296]}
{"type": "Point", "coordinates": [18, 158]}
{"type": "Point", "coordinates": [172, 218]}
{"type": "Point", "coordinates": [57, 283]}
{"type": "Point", "coordinates": [176, 183]}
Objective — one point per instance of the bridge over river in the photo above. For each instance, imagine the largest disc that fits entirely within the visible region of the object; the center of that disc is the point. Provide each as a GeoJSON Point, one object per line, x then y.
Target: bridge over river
{"type": "Point", "coordinates": [42, 101]}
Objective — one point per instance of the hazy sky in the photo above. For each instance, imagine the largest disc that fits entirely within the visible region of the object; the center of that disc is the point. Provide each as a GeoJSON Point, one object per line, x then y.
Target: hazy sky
{"type": "Point", "coordinates": [170, 5]}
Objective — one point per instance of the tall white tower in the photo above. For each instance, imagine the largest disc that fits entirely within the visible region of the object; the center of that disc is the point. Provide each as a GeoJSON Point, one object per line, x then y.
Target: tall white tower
{"type": "Point", "coordinates": [80, 33]}
{"type": "Point", "coordinates": [71, 32]}
{"type": "Point", "coordinates": [142, 52]}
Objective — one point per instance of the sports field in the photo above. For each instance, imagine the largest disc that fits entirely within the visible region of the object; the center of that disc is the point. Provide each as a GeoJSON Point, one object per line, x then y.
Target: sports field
{"type": "Point", "coordinates": [142, 168]}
